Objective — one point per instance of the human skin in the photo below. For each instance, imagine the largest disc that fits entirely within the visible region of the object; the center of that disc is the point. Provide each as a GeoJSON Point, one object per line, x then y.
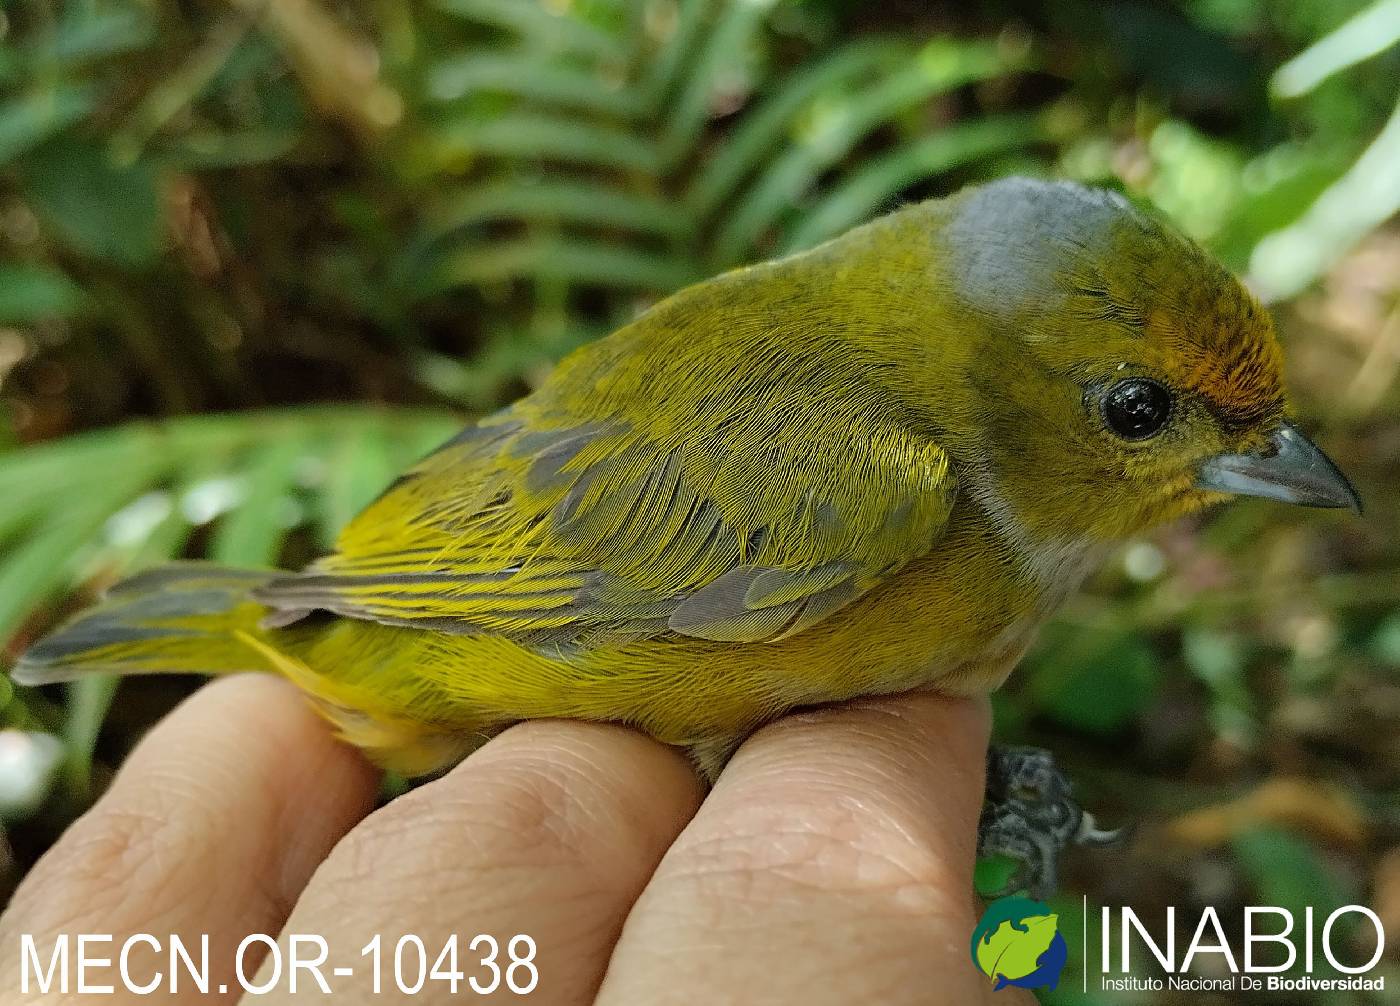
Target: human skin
{"type": "Point", "coordinates": [832, 862]}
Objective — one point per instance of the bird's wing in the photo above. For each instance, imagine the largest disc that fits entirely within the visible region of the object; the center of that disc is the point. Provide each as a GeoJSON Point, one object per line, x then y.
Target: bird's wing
{"type": "Point", "coordinates": [580, 535]}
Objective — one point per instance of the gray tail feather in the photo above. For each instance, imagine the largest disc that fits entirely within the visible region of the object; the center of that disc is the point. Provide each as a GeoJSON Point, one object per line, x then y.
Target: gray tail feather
{"type": "Point", "coordinates": [178, 617]}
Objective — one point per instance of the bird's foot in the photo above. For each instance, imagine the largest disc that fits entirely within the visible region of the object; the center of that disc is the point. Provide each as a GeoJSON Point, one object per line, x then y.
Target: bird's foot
{"type": "Point", "coordinates": [1030, 817]}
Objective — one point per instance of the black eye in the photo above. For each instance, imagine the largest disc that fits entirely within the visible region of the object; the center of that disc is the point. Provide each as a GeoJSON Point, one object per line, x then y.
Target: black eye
{"type": "Point", "coordinates": [1137, 408]}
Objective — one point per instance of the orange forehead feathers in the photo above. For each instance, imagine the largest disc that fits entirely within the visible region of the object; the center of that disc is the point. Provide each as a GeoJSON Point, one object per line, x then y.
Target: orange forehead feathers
{"type": "Point", "coordinates": [1216, 342]}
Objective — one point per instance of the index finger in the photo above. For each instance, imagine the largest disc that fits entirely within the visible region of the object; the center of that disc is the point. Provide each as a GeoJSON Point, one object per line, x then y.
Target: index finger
{"type": "Point", "coordinates": [831, 864]}
{"type": "Point", "coordinates": [210, 830]}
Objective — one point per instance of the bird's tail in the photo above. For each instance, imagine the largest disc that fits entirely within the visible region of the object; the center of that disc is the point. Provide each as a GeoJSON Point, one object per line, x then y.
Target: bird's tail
{"type": "Point", "coordinates": [184, 617]}
{"type": "Point", "coordinates": [200, 618]}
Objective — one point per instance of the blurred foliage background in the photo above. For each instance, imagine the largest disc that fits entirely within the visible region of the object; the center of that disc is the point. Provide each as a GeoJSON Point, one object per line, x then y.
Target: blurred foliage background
{"type": "Point", "coordinates": [254, 258]}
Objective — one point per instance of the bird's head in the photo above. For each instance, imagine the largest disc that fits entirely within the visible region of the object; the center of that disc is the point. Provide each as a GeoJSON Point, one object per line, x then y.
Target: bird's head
{"type": "Point", "coordinates": [1127, 377]}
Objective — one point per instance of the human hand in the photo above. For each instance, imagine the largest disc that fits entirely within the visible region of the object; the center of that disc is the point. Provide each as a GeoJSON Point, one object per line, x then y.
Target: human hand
{"type": "Point", "coordinates": [831, 864]}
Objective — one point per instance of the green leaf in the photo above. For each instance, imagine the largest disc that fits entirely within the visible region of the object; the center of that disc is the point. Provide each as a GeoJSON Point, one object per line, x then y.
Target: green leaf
{"type": "Point", "coordinates": [10, 66]}
{"type": "Point", "coordinates": [563, 259]}
{"type": "Point", "coordinates": [661, 71]}
{"type": "Point", "coordinates": [34, 480]}
{"type": "Point", "coordinates": [359, 465]}
{"type": "Point", "coordinates": [43, 560]}
{"type": "Point", "coordinates": [504, 356]}
{"type": "Point", "coordinates": [1370, 32]}
{"type": "Point", "coordinates": [874, 185]}
{"type": "Point", "coordinates": [991, 876]}
{"type": "Point", "coordinates": [1095, 681]}
{"type": "Point", "coordinates": [763, 129]}
{"type": "Point", "coordinates": [837, 126]}
{"type": "Point", "coordinates": [159, 527]}
{"type": "Point", "coordinates": [544, 137]}
{"type": "Point", "coordinates": [1285, 262]}
{"type": "Point", "coordinates": [30, 119]}
{"type": "Point", "coordinates": [1286, 871]}
{"type": "Point", "coordinates": [559, 202]}
{"type": "Point", "coordinates": [201, 150]}
{"type": "Point", "coordinates": [165, 539]}
{"type": "Point", "coordinates": [1013, 953]}
{"type": "Point", "coordinates": [178, 90]}
{"type": "Point", "coordinates": [1385, 642]}
{"type": "Point", "coordinates": [1296, 176]}
{"type": "Point", "coordinates": [426, 432]}
{"type": "Point", "coordinates": [721, 53]}
{"type": "Point", "coordinates": [536, 23]}
{"type": "Point", "coordinates": [35, 292]}
{"type": "Point", "coordinates": [89, 698]}
{"type": "Point", "coordinates": [87, 34]}
{"type": "Point", "coordinates": [60, 497]}
{"type": "Point", "coordinates": [99, 208]}
{"type": "Point", "coordinates": [529, 77]}
{"type": "Point", "coordinates": [251, 533]}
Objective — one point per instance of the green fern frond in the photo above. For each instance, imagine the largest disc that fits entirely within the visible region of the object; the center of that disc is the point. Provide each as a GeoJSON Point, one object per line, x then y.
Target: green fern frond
{"type": "Point", "coordinates": [635, 189]}
{"type": "Point", "coordinates": [558, 202]}
{"type": "Point", "coordinates": [541, 27]}
{"type": "Point", "coordinates": [763, 130]}
{"type": "Point", "coordinates": [102, 503]}
{"type": "Point", "coordinates": [870, 189]}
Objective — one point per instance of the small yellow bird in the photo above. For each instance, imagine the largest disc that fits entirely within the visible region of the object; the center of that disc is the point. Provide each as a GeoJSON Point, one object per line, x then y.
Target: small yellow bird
{"type": "Point", "coordinates": [875, 466]}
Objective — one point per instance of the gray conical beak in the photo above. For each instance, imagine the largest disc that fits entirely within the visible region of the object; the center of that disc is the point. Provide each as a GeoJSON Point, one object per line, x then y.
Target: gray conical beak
{"type": "Point", "coordinates": [1291, 468]}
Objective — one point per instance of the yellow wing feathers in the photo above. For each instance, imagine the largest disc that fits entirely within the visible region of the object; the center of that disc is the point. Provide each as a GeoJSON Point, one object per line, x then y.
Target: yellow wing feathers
{"type": "Point", "coordinates": [578, 535]}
